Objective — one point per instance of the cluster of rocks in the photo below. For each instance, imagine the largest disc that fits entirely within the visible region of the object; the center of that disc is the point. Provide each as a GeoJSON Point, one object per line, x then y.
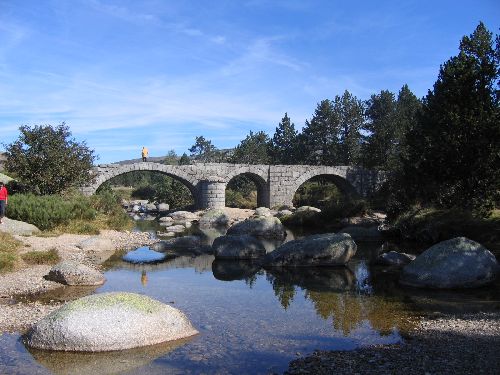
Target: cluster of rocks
{"type": "Point", "coordinates": [176, 222]}
{"type": "Point", "coordinates": [142, 209]}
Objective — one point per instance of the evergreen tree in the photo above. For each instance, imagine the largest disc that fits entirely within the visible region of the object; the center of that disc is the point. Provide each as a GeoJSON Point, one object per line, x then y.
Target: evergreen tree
{"type": "Point", "coordinates": [171, 158]}
{"type": "Point", "coordinates": [407, 109]}
{"type": "Point", "coordinates": [319, 140]}
{"type": "Point", "coordinates": [254, 149]}
{"type": "Point", "coordinates": [184, 160]}
{"type": "Point", "coordinates": [350, 115]}
{"type": "Point", "coordinates": [284, 145]}
{"type": "Point", "coordinates": [453, 155]}
{"type": "Point", "coordinates": [204, 151]}
{"type": "Point", "coordinates": [381, 128]}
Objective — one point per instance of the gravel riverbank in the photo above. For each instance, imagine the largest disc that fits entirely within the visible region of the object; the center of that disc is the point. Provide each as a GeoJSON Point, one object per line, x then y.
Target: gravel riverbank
{"type": "Point", "coordinates": [17, 316]}
{"type": "Point", "coordinates": [466, 344]}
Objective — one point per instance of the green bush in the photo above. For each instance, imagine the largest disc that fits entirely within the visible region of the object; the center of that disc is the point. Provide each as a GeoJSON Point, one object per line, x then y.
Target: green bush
{"type": "Point", "coordinates": [237, 199]}
{"type": "Point", "coordinates": [49, 211]}
{"type": "Point", "coordinates": [144, 192]}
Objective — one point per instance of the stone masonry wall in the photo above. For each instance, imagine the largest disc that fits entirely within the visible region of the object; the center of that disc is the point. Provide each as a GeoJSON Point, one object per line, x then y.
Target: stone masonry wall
{"type": "Point", "coordinates": [276, 184]}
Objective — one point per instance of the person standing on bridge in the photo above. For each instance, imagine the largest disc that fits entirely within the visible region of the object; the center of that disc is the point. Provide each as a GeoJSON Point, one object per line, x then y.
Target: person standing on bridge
{"type": "Point", "coordinates": [3, 200]}
{"type": "Point", "coordinates": [145, 154]}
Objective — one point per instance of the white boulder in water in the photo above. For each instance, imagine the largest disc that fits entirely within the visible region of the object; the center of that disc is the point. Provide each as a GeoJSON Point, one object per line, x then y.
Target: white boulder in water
{"type": "Point", "coordinates": [109, 321]}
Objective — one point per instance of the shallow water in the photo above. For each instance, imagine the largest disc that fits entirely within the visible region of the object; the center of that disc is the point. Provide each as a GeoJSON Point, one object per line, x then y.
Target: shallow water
{"type": "Point", "coordinates": [251, 320]}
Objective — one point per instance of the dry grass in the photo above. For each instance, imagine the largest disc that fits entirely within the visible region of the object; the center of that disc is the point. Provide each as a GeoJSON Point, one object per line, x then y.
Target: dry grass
{"type": "Point", "coordinates": [41, 257]}
{"type": "Point", "coordinates": [9, 247]}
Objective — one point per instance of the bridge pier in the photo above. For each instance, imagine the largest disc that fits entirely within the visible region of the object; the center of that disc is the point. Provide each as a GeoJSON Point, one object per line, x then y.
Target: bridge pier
{"type": "Point", "coordinates": [212, 193]}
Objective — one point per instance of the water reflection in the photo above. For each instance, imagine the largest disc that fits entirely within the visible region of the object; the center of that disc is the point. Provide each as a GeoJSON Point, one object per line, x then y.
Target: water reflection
{"type": "Point", "coordinates": [229, 270]}
{"type": "Point", "coordinates": [144, 255]}
{"type": "Point", "coordinates": [338, 295]}
{"type": "Point", "coordinates": [104, 363]}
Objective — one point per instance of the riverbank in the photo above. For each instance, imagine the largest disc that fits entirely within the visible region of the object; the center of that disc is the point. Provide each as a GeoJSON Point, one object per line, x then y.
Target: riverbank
{"type": "Point", "coordinates": [17, 314]}
{"type": "Point", "coordinates": [450, 344]}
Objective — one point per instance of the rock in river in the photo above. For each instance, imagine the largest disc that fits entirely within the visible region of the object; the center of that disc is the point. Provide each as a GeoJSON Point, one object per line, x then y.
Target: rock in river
{"type": "Point", "coordinates": [238, 247]}
{"type": "Point", "coordinates": [214, 218]}
{"type": "Point", "coordinates": [74, 273]}
{"type": "Point", "coordinates": [393, 258]}
{"type": "Point", "coordinates": [455, 263]}
{"type": "Point", "coordinates": [267, 227]}
{"type": "Point", "coordinates": [109, 321]}
{"type": "Point", "coordinates": [96, 243]}
{"type": "Point", "coordinates": [328, 249]}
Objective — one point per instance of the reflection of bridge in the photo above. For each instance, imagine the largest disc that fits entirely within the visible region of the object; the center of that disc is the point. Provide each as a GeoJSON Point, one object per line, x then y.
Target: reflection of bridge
{"type": "Point", "coordinates": [276, 184]}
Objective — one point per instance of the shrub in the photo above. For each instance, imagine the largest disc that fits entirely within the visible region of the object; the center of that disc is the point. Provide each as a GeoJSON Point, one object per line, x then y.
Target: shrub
{"type": "Point", "coordinates": [41, 257]}
{"type": "Point", "coordinates": [144, 192]}
{"type": "Point", "coordinates": [49, 211]}
{"type": "Point", "coordinates": [236, 199]}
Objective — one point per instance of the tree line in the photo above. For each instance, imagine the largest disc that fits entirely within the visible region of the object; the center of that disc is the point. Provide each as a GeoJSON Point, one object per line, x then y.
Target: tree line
{"type": "Point", "coordinates": [441, 150]}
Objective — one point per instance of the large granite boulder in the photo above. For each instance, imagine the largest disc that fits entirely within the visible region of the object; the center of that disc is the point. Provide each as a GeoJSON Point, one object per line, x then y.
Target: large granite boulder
{"type": "Point", "coordinates": [74, 273]}
{"type": "Point", "coordinates": [18, 227]}
{"type": "Point", "coordinates": [455, 263]}
{"type": "Point", "coordinates": [96, 243]}
{"type": "Point", "coordinates": [304, 216]}
{"type": "Point", "coordinates": [214, 218]}
{"type": "Point", "coordinates": [267, 227]}
{"type": "Point", "coordinates": [393, 258]}
{"type": "Point", "coordinates": [238, 247]}
{"type": "Point", "coordinates": [328, 249]}
{"type": "Point", "coordinates": [109, 321]}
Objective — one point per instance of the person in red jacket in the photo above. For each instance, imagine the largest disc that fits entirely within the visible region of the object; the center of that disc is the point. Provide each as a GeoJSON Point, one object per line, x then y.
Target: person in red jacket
{"type": "Point", "coordinates": [3, 200]}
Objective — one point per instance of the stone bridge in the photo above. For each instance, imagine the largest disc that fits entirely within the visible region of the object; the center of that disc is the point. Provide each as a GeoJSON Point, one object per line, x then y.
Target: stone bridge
{"type": "Point", "coordinates": [276, 184]}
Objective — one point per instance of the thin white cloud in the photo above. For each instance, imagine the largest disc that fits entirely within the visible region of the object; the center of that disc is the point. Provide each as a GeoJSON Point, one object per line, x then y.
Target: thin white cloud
{"type": "Point", "coordinates": [260, 52]}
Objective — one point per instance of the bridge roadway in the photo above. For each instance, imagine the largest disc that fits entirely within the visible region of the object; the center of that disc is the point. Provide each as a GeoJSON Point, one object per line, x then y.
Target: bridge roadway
{"type": "Point", "coordinates": [276, 184]}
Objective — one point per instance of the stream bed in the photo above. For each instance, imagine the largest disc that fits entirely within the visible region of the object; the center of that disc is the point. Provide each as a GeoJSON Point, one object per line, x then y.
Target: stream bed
{"type": "Point", "coordinates": [251, 320]}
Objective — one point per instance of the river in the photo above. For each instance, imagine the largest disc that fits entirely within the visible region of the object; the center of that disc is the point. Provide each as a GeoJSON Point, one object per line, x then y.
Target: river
{"type": "Point", "coordinates": [254, 321]}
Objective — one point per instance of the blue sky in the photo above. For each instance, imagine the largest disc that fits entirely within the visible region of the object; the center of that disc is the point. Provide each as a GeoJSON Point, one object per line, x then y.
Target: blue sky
{"type": "Point", "coordinates": [123, 74]}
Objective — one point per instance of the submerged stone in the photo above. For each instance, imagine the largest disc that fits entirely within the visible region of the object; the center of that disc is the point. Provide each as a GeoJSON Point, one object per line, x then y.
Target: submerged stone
{"type": "Point", "coordinates": [109, 321]}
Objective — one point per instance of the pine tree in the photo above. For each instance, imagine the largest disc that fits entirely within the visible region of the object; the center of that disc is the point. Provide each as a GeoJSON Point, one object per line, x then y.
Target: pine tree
{"type": "Point", "coordinates": [453, 156]}
{"type": "Point", "coordinates": [284, 145]}
{"type": "Point", "coordinates": [254, 149]}
{"type": "Point", "coordinates": [350, 114]}
{"type": "Point", "coordinates": [381, 128]}
{"type": "Point", "coordinates": [320, 137]}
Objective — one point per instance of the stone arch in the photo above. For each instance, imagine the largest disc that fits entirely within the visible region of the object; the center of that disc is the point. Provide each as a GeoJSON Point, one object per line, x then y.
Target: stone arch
{"type": "Point", "coordinates": [105, 173]}
{"type": "Point", "coordinates": [258, 177]}
{"type": "Point", "coordinates": [336, 174]}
